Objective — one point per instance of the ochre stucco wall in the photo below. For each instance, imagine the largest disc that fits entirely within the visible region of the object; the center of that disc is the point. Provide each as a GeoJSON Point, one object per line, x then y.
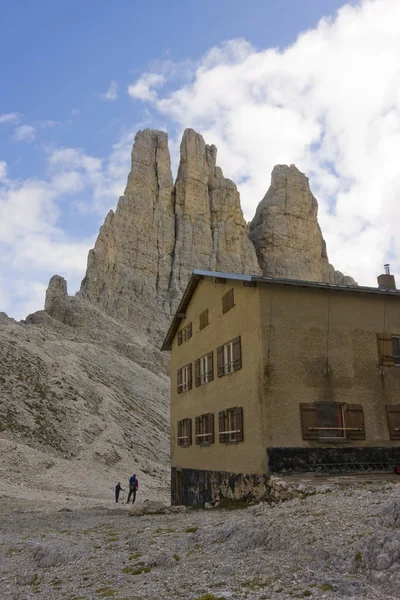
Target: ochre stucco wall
{"type": "Point", "coordinates": [304, 331]}
{"type": "Point", "coordinates": [241, 388]}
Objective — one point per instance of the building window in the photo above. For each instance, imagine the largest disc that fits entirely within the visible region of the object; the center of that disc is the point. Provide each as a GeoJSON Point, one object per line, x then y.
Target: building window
{"type": "Point", "coordinates": [396, 350]}
{"type": "Point", "coordinates": [204, 369]}
{"type": "Point", "coordinates": [204, 319]}
{"type": "Point", "coordinates": [228, 301]}
{"type": "Point", "coordinates": [393, 415]}
{"type": "Point", "coordinates": [184, 432]}
{"type": "Point", "coordinates": [184, 378]}
{"type": "Point", "coordinates": [327, 421]}
{"type": "Point", "coordinates": [204, 434]}
{"type": "Point", "coordinates": [185, 334]}
{"type": "Point", "coordinates": [230, 425]}
{"type": "Point", "coordinates": [229, 357]}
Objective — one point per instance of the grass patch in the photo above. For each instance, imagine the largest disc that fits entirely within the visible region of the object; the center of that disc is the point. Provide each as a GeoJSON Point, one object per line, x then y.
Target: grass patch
{"type": "Point", "coordinates": [191, 530]}
{"type": "Point", "coordinates": [135, 556]}
{"type": "Point", "coordinates": [139, 571]}
{"type": "Point", "coordinates": [325, 587]}
{"type": "Point", "coordinates": [209, 596]}
{"type": "Point", "coordinates": [229, 504]}
{"type": "Point", "coordinates": [176, 557]}
{"type": "Point", "coordinates": [358, 556]}
{"type": "Point", "coordinates": [106, 592]}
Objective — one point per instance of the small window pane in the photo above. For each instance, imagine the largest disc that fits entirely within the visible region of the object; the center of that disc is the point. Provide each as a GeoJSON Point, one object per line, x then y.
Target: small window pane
{"type": "Point", "coordinates": [330, 421]}
{"type": "Point", "coordinates": [396, 350]}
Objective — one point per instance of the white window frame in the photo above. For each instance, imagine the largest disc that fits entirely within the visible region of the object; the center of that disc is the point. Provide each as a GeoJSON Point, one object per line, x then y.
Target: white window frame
{"type": "Point", "coordinates": [204, 369]}
{"type": "Point", "coordinates": [185, 378]}
{"type": "Point", "coordinates": [231, 424]}
{"type": "Point", "coordinates": [343, 429]}
{"type": "Point", "coordinates": [228, 358]}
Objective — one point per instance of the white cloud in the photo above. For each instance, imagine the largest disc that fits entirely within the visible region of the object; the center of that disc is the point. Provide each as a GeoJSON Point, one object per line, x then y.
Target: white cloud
{"type": "Point", "coordinates": [12, 118]}
{"type": "Point", "coordinates": [330, 103]}
{"type": "Point", "coordinates": [3, 170]}
{"type": "Point", "coordinates": [111, 93]}
{"type": "Point", "coordinates": [145, 87]}
{"type": "Point", "coordinates": [24, 133]}
{"type": "Point", "coordinates": [75, 111]}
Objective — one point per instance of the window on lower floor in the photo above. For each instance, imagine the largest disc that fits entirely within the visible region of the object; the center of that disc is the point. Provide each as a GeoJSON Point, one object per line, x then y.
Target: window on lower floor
{"type": "Point", "coordinates": [204, 429]}
{"type": "Point", "coordinates": [184, 378]}
{"type": "Point", "coordinates": [230, 423]}
{"type": "Point", "coordinates": [323, 421]}
{"type": "Point", "coordinates": [184, 437]}
{"type": "Point", "coordinates": [229, 357]}
{"type": "Point", "coordinates": [393, 415]}
{"type": "Point", "coordinates": [204, 369]}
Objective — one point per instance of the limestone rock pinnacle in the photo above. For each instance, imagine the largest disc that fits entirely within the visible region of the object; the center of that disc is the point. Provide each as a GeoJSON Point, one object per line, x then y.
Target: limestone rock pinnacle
{"type": "Point", "coordinates": [286, 234]}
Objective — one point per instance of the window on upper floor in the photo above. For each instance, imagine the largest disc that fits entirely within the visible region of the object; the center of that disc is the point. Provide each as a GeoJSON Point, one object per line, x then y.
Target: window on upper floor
{"type": "Point", "coordinates": [203, 319]}
{"type": "Point", "coordinates": [185, 334]}
{"type": "Point", "coordinates": [204, 369]}
{"type": "Point", "coordinates": [184, 378]}
{"type": "Point", "coordinates": [230, 423]}
{"type": "Point", "coordinates": [204, 429]}
{"type": "Point", "coordinates": [228, 301]}
{"type": "Point", "coordinates": [389, 350]}
{"type": "Point", "coordinates": [393, 415]}
{"type": "Point", "coordinates": [229, 357]}
{"type": "Point", "coordinates": [327, 421]}
{"type": "Point", "coordinates": [184, 437]}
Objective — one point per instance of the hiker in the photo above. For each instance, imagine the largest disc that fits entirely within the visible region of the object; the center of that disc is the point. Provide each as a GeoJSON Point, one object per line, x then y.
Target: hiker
{"type": "Point", "coordinates": [133, 486]}
{"type": "Point", "coordinates": [118, 489]}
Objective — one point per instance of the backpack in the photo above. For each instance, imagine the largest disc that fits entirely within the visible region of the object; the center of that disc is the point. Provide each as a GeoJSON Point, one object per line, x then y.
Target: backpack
{"type": "Point", "coordinates": [136, 484]}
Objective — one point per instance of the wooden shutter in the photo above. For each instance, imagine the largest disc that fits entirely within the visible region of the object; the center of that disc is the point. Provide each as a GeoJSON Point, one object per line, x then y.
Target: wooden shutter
{"type": "Point", "coordinates": [354, 419]}
{"type": "Point", "coordinates": [309, 420]}
{"type": "Point", "coordinates": [197, 380]}
{"type": "Point", "coordinates": [204, 319]}
{"type": "Point", "coordinates": [197, 430]}
{"type": "Point", "coordinates": [179, 440]}
{"type": "Point", "coordinates": [210, 366]}
{"type": "Point", "coordinates": [188, 330]}
{"type": "Point", "coordinates": [220, 361]}
{"type": "Point", "coordinates": [237, 353]}
{"type": "Point", "coordinates": [188, 432]}
{"type": "Point", "coordinates": [190, 376]}
{"type": "Point", "coordinates": [179, 381]}
{"type": "Point", "coordinates": [385, 350]}
{"type": "Point", "coordinates": [393, 415]}
{"type": "Point", "coordinates": [210, 428]}
{"type": "Point", "coordinates": [238, 413]}
{"type": "Point", "coordinates": [222, 426]}
{"type": "Point", "coordinates": [227, 301]}
{"type": "Point", "coordinates": [179, 337]}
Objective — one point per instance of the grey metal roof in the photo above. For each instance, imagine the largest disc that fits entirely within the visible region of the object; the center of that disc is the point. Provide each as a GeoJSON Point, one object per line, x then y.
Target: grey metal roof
{"type": "Point", "coordinates": [198, 274]}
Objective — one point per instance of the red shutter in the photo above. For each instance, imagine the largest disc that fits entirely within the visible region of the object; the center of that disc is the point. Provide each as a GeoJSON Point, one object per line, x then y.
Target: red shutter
{"type": "Point", "coordinates": [238, 412]}
{"type": "Point", "coordinates": [221, 426]}
{"type": "Point", "coordinates": [197, 430]}
{"type": "Point", "coordinates": [179, 381]}
{"type": "Point", "coordinates": [210, 366]}
{"type": "Point", "coordinates": [393, 415]}
{"type": "Point", "coordinates": [179, 337]}
{"type": "Point", "coordinates": [354, 419]}
{"type": "Point", "coordinates": [237, 353]}
{"type": "Point", "coordinates": [220, 361]}
{"type": "Point", "coordinates": [309, 421]}
{"type": "Point", "coordinates": [210, 428]}
{"type": "Point", "coordinates": [197, 380]}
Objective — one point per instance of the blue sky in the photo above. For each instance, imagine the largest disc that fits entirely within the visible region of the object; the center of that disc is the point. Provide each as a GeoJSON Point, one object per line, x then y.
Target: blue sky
{"type": "Point", "coordinates": [266, 81]}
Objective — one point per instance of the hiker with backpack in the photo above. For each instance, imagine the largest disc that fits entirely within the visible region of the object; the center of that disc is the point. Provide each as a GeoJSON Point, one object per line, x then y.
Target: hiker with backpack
{"type": "Point", "coordinates": [133, 486]}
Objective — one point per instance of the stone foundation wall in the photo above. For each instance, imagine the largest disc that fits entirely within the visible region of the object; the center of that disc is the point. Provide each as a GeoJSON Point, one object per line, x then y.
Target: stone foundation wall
{"type": "Point", "coordinates": [280, 490]}
{"type": "Point", "coordinates": [199, 488]}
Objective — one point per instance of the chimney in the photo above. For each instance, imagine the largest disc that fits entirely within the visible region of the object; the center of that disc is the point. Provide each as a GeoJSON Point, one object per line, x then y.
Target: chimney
{"type": "Point", "coordinates": [386, 281]}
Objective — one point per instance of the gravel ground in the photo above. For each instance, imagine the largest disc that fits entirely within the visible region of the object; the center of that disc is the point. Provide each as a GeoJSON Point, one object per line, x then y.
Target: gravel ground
{"type": "Point", "coordinates": [343, 544]}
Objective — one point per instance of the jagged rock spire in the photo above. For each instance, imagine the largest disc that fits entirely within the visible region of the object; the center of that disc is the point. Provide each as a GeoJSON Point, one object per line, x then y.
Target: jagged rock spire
{"type": "Point", "coordinates": [286, 234]}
